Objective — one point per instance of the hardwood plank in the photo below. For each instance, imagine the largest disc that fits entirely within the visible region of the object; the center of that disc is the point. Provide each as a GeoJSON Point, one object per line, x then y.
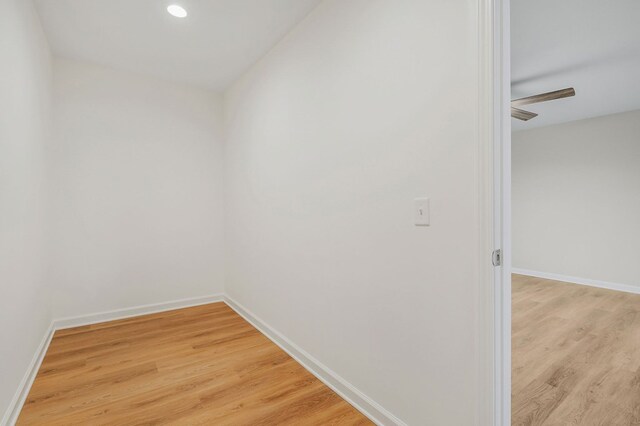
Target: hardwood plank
{"type": "Point", "coordinates": [575, 354]}
{"type": "Point", "coordinates": [200, 365]}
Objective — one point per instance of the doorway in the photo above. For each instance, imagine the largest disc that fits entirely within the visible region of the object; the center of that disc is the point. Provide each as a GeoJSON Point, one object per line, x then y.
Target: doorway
{"type": "Point", "coordinates": [571, 191]}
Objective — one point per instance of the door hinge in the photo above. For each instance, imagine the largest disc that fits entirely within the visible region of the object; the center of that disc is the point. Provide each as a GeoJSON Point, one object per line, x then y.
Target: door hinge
{"type": "Point", "coordinates": [496, 257]}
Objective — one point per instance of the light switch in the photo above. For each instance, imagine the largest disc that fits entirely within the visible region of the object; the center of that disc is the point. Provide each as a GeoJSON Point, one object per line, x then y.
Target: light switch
{"type": "Point", "coordinates": [421, 211]}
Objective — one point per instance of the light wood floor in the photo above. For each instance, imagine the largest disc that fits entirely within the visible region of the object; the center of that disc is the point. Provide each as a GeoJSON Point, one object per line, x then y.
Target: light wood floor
{"type": "Point", "coordinates": [201, 365]}
{"type": "Point", "coordinates": [576, 354]}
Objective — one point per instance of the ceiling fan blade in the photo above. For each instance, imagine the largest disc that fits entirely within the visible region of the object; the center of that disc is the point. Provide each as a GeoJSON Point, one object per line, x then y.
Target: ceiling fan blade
{"type": "Point", "coordinates": [521, 114]}
{"type": "Point", "coordinates": [543, 97]}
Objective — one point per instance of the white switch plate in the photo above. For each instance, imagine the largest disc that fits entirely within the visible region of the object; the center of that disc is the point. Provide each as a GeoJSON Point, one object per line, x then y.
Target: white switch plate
{"type": "Point", "coordinates": [421, 211]}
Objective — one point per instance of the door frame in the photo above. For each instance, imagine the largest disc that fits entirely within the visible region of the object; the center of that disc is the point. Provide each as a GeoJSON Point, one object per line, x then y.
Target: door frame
{"type": "Point", "coordinates": [494, 167]}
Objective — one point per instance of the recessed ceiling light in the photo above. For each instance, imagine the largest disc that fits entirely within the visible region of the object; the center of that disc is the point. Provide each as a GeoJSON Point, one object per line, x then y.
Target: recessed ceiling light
{"type": "Point", "coordinates": [177, 11]}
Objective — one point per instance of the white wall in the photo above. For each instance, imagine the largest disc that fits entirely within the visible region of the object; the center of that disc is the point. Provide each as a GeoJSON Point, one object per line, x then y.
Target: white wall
{"type": "Point", "coordinates": [137, 209]}
{"type": "Point", "coordinates": [576, 199]}
{"type": "Point", "coordinates": [25, 85]}
{"type": "Point", "coordinates": [367, 105]}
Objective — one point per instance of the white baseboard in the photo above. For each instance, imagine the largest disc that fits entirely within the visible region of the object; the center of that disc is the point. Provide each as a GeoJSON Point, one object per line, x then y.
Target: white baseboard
{"type": "Point", "coordinates": [364, 404]}
{"type": "Point", "coordinates": [15, 406]}
{"type": "Point", "coordinates": [134, 311]}
{"type": "Point", "coordinates": [576, 280]}
{"type": "Point", "coordinates": [347, 391]}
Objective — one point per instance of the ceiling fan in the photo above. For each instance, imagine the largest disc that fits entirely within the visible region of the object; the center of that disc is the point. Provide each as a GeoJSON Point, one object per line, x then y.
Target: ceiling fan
{"type": "Point", "coordinates": [523, 115]}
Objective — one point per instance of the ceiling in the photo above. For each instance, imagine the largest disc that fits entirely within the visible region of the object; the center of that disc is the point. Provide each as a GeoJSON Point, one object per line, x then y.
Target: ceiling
{"type": "Point", "coordinates": [215, 44]}
{"type": "Point", "coordinates": [591, 45]}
